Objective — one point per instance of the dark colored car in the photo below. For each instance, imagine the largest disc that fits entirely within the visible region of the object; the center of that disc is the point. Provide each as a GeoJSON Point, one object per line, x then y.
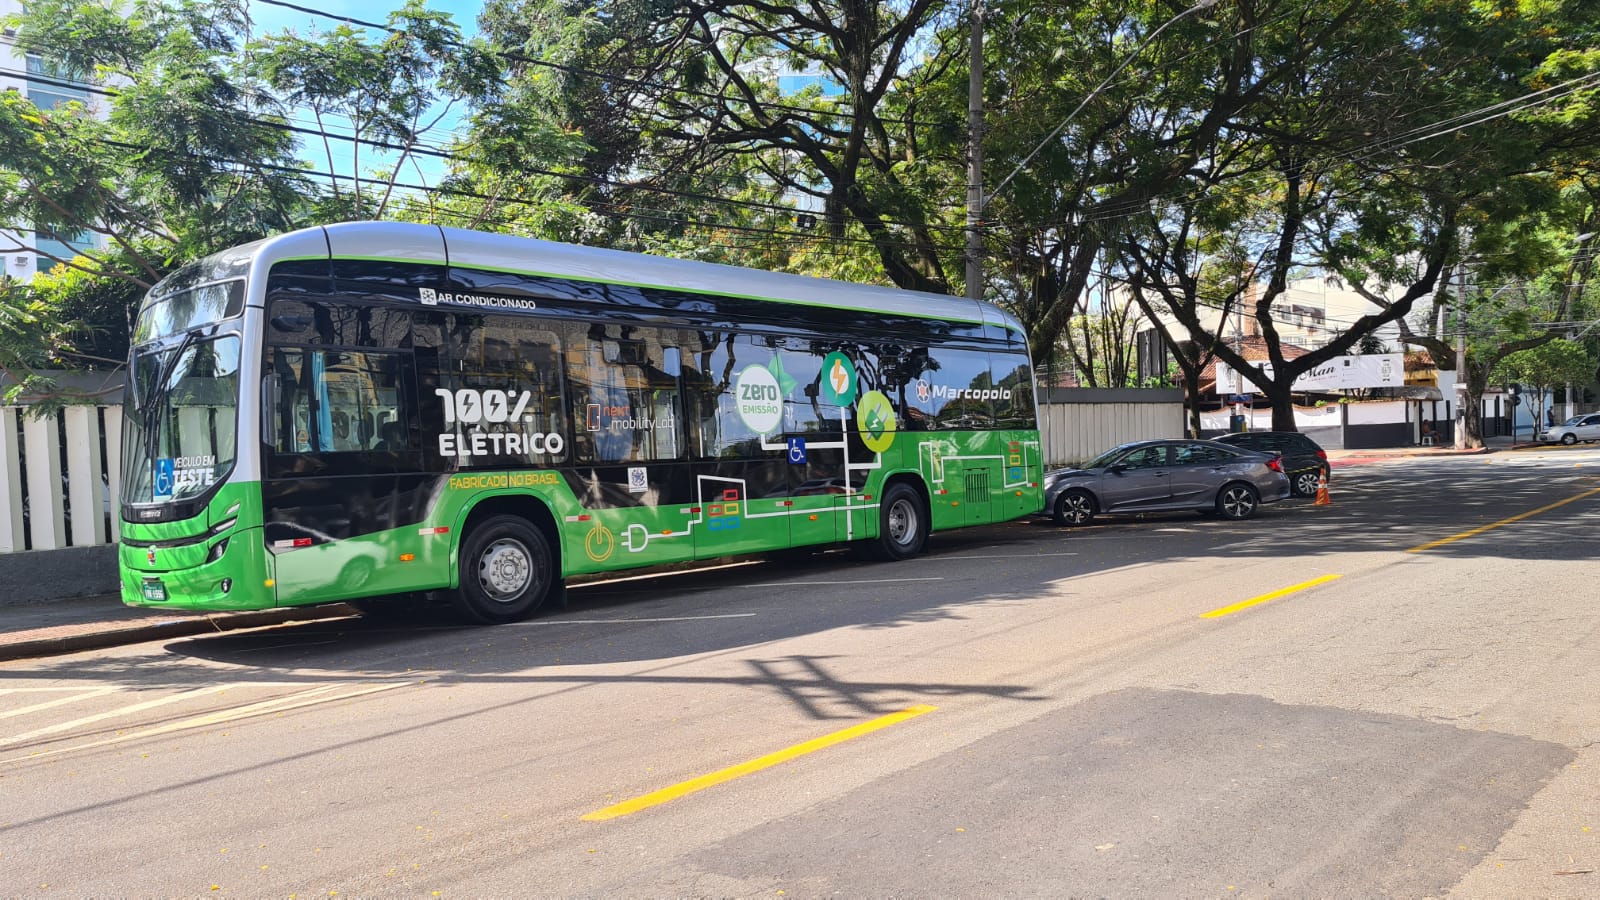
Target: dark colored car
{"type": "Point", "coordinates": [1162, 476]}
{"type": "Point", "coordinates": [1303, 460]}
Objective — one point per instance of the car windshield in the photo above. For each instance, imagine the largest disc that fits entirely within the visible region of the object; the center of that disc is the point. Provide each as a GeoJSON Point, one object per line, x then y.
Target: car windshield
{"type": "Point", "coordinates": [1108, 457]}
{"type": "Point", "coordinates": [180, 417]}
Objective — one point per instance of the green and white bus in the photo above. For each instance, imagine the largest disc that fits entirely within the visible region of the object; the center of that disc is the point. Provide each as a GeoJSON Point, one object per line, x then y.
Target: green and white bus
{"type": "Point", "coordinates": [367, 410]}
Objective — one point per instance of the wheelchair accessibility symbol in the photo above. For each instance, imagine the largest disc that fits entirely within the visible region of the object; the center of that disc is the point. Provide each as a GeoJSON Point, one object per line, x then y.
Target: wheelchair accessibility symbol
{"type": "Point", "coordinates": [165, 476]}
{"type": "Point", "coordinates": [797, 450]}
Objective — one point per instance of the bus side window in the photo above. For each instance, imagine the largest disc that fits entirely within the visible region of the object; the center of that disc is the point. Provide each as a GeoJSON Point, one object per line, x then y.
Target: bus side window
{"type": "Point", "coordinates": [332, 401]}
{"type": "Point", "coordinates": [961, 390]}
{"type": "Point", "coordinates": [623, 384]}
{"type": "Point", "coordinates": [508, 369]}
{"type": "Point", "coordinates": [1014, 376]}
{"type": "Point", "coordinates": [293, 428]}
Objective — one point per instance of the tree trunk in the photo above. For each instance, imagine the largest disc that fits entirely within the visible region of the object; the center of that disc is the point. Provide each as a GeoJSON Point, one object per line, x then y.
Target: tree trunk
{"type": "Point", "coordinates": [1469, 418]}
{"type": "Point", "coordinates": [1282, 400]}
{"type": "Point", "coordinates": [1191, 397]}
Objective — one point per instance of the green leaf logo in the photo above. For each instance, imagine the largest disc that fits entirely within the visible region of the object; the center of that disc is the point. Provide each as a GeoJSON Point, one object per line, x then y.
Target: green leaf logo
{"type": "Point", "coordinates": [875, 419]}
{"type": "Point", "coordinates": [785, 383]}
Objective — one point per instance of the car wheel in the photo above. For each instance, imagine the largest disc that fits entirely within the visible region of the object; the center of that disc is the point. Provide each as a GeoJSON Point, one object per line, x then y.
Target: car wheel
{"type": "Point", "coordinates": [902, 525]}
{"type": "Point", "coordinates": [1305, 483]}
{"type": "Point", "coordinates": [1569, 439]}
{"type": "Point", "coordinates": [1074, 507]}
{"type": "Point", "coordinates": [1237, 501]}
{"type": "Point", "coordinates": [506, 571]}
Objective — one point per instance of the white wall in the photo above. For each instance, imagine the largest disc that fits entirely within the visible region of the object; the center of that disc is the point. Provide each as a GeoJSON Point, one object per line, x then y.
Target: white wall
{"type": "Point", "coordinates": [62, 478]}
{"type": "Point", "coordinates": [1092, 421]}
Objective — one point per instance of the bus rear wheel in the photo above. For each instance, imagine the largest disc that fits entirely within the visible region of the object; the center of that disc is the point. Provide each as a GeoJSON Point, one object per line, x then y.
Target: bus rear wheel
{"type": "Point", "coordinates": [902, 524]}
{"type": "Point", "coordinates": [506, 571]}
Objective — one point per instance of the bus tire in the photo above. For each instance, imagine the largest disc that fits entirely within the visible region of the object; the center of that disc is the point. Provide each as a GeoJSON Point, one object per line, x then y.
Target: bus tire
{"type": "Point", "coordinates": [507, 571]}
{"type": "Point", "coordinates": [902, 524]}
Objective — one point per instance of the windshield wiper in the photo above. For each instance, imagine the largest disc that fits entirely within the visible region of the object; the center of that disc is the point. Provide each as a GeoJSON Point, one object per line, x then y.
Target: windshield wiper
{"type": "Point", "coordinates": [158, 391]}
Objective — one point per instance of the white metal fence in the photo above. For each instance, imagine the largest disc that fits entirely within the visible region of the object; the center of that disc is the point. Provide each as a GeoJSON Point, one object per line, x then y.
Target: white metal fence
{"type": "Point", "coordinates": [59, 477]}
{"type": "Point", "coordinates": [1078, 424]}
{"type": "Point", "coordinates": [59, 474]}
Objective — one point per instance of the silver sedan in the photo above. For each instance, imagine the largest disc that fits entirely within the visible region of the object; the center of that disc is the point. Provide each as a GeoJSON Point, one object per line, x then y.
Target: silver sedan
{"type": "Point", "coordinates": [1162, 476]}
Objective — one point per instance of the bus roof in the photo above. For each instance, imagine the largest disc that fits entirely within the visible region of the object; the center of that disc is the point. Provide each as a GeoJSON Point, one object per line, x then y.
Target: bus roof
{"type": "Point", "coordinates": [460, 248]}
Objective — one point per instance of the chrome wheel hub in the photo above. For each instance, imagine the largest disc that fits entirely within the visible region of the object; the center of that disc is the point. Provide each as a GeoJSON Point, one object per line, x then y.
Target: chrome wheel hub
{"type": "Point", "coordinates": [902, 522]}
{"type": "Point", "coordinates": [504, 570]}
{"type": "Point", "coordinates": [1237, 503]}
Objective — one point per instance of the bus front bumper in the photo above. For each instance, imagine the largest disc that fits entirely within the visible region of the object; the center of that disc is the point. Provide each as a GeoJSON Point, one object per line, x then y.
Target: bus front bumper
{"type": "Point", "coordinates": [239, 577]}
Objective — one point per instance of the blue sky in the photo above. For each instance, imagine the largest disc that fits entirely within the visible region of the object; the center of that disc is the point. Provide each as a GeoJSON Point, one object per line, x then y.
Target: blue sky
{"type": "Point", "coordinates": [269, 18]}
{"type": "Point", "coordinates": [275, 18]}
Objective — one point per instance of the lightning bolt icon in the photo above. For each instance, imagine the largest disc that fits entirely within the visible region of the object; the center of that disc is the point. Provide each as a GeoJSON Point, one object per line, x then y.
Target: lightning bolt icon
{"type": "Point", "coordinates": [839, 378]}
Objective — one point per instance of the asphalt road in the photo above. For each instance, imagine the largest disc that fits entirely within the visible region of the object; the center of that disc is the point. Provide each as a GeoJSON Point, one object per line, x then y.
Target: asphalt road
{"type": "Point", "coordinates": [1394, 694]}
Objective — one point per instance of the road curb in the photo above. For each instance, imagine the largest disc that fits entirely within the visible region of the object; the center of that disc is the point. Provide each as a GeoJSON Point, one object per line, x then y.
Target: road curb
{"type": "Point", "coordinates": [117, 634]}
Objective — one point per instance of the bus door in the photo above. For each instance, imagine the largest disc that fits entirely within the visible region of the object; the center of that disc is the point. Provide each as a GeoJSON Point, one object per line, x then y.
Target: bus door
{"type": "Point", "coordinates": [743, 500]}
{"type": "Point", "coordinates": [820, 493]}
{"type": "Point", "coordinates": [341, 482]}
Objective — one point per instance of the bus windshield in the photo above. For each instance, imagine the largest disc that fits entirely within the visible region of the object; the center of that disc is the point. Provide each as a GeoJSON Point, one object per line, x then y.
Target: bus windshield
{"type": "Point", "coordinates": [172, 313]}
{"type": "Point", "coordinates": [181, 434]}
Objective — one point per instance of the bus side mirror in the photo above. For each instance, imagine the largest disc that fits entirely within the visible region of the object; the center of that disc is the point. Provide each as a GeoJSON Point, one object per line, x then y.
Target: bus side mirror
{"type": "Point", "coordinates": [269, 410]}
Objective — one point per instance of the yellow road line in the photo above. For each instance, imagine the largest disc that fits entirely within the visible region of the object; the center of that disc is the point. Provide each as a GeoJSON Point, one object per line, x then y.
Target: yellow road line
{"type": "Point", "coordinates": [655, 798]}
{"type": "Point", "coordinates": [1246, 604]}
{"type": "Point", "coordinates": [1492, 525]}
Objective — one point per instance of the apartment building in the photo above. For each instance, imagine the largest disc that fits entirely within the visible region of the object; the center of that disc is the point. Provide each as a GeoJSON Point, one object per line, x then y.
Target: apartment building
{"type": "Point", "coordinates": [25, 253]}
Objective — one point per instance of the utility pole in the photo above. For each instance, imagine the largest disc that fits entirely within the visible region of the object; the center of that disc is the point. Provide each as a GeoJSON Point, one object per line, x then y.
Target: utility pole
{"type": "Point", "coordinates": [1461, 361]}
{"type": "Point", "coordinates": [975, 157]}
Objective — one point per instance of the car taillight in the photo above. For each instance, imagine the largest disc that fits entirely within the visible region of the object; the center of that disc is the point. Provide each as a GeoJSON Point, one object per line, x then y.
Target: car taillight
{"type": "Point", "coordinates": [1275, 464]}
{"type": "Point", "coordinates": [1322, 454]}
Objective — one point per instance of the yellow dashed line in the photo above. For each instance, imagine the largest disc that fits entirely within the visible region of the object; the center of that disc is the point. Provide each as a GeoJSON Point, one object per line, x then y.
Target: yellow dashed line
{"type": "Point", "coordinates": [1246, 604]}
{"type": "Point", "coordinates": [656, 798]}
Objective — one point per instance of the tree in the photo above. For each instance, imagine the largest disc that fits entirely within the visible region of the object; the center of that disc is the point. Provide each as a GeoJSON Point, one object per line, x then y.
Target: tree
{"type": "Point", "coordinates": [681, 102]}
{"type": "Point", "coordinates": [184, 151]}
{"type": "Point", "coordinates": [393, 93]}
{"type": "Point", "coordinates": [1556, 362]}
{"type": "Point", "coordinates": [170, 164]}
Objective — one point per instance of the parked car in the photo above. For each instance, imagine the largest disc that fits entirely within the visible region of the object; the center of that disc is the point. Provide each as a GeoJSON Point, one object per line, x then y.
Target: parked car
{"type": "Point", "coordinates": [1304, 461]}
{"type": "Point", "coordinates": [1161, 476]}
{"type": "Point", "coordinates": [1584, 428]}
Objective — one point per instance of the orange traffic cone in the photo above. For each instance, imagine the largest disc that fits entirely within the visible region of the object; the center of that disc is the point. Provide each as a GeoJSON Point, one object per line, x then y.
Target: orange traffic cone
{"type": "Point", "coordinates": [1322, 490]}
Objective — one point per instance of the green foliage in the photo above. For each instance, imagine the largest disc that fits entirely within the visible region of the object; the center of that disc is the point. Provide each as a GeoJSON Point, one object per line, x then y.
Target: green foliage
{"type": "Point", "coordinates": [391, 91]}
{"type": "Point", "coordinates": [1554, 363]}
{"type": "Point", "coordinates": [1239, 146]}
{"type": "Point", "coordinates": [187, 150]}
{"type": "Point", "coordinates": [27, 333]}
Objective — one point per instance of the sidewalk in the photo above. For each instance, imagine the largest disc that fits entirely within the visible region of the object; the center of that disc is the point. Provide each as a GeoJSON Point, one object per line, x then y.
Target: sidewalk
{"type": "Point", "coordinates": [30, 630]}
{"type": "Point", "coordinates": [1341, 458]}
{"type": "Point", "coordinates": [47, 628]}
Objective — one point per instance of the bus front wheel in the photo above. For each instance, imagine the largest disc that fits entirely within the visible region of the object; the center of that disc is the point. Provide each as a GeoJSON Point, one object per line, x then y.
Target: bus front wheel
{"type": "Point", "coordinates": [506, 571]}
{"type": "Point", "coordinates": [902, 524]}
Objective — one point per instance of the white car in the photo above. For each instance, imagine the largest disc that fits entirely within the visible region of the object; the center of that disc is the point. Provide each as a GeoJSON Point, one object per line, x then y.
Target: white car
{"type": "Point", "coordinates": [1584, 428]}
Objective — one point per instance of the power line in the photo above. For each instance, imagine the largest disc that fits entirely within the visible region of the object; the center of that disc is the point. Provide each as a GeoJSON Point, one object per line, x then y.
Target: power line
{"type": "Point", "coordinates": [438, 154]}
{"type": "Point", "coordinates": [578, 70]}
{"type": "Point", "coordinates": [1358, 155]}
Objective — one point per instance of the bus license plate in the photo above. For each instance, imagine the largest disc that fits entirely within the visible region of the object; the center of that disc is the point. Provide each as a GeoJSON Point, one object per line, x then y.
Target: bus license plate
{"type": "Point", "coordinates": [154, 590]}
